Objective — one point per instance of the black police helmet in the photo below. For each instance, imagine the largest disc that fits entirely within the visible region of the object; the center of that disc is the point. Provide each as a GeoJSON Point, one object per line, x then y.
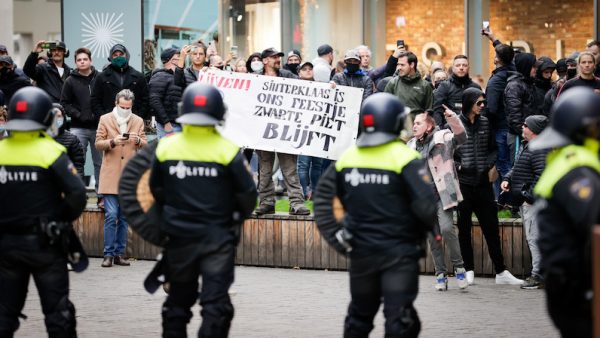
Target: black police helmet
{"type": "Point", "coordinates": [201, 105]}
{"type": "Point", "coordinates": [573, 111]}
{"type": "Point", "coordinates": [29, 109]}
{"type": "Point", "coordinates": [382, 117]}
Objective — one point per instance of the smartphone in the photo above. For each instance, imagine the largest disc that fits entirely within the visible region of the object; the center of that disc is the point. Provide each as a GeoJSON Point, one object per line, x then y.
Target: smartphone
{"type": "Point", "coordinates": [234, 50]}
{"type": "Point", "coordinates": [49, 45]}
{"type": "Point", "coordinates": [126, 136]}
{"type": "Point", "coordinates": [399, 43]}
{"type": "Point", "coordinates": [486, 26]}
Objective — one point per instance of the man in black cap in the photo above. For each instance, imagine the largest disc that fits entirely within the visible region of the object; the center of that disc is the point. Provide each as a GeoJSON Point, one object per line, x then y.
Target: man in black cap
{"type": "Point", "coordinates": [271, 59]}
{"type": "Point", "coordinates": [51, 75]}
{"type": "Point", "coordinates": [115, 77]}
{"type": "Point", "coordinates": [10, 81]}
{"type": "Point", "coordinates": [3, 50]}
{"type": "Point", "coordinates": [293, 61]}
{"type": "Point", "coordinates": [165, 94]}
{"type": "Point", "coordinates": [323, 70]}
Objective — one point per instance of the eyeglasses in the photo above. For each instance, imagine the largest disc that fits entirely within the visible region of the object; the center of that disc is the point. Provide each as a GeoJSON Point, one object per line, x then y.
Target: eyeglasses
{"type": "Point", "coordinates": [481, 103]}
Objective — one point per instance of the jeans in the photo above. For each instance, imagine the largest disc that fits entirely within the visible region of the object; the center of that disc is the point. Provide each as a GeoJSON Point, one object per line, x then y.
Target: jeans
{"type": "Point", "coordinates": [115, 227]}
{"type": "Point", "coordinates": [160, 129]}
{"type": "Point", "coordinates": [266, 188]}
{"type": "Point", "coordinates": [448, 231]}
{"type": "Point", "coordinates": [503, 160]}
{"type": "Point", "coordinates": [479, 199]}
{"type": "Point", "coordinates": [309, 171]}
{"type": "Point", "coordinates": [531, 228]}
{"type": "Point", "coordinates": [88, 136]}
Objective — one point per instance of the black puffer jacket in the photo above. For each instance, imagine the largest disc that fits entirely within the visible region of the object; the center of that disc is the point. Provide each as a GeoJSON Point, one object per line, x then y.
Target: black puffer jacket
{"type": "Point", "coordinates": [74, 149]}
{"type": "Point", "coordinates": [10, 83]}
{"type": "Point", "coordinates": [184, 77]}
{"type": "Point", "coordinates": [494, 92]}
{"type": "Point", "coordinates": [164, 96]}
{"type": "Point", "coordinates": [526, 172]}
{"type": "Point", "coordinates": [519, 98]}
{"type": "Point", "coordinates": [46, 76]}
{"type": "Point", "coordinates": [450, 94]}
{"type": "Point", "coordinates": [477, 156]}
{"type": "Point", "coordinates": [542, 85]}
{"type": "Point", "coordinates": [111, 81]}
{"type": "Point", "coordinates": [75, 98]}
{"type": "Point", "coordinates": [358, 80]}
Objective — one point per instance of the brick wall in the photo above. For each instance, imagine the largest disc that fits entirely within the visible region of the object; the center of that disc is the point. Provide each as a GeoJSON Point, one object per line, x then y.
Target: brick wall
{"type": "Point", "coordinates": [540, 23]}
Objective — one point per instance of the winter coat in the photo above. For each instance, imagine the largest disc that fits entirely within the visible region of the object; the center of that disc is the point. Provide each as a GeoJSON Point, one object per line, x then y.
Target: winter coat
{"type": "Point", "coordinates": [450, 93]}
{"type": "Point", "coordinates": [439, 148]}
{"type": "Point", "coordinates": [414, 92]}
{"type": "Point", "coordinates": [478, 155]}
{"type": "Point", "coordinates": [542, 85]}
{"type": "Point", "coordinates": [11, 83]}
{"type": "Point", "coordinates": [164, 96]}
{"type": "Point", "coordinates": [494, 93]}
{"type": "Point", "coordinates": [74, 149]}
{"type": "Point", "coordinates": [76, 99]}
{"type": "Point", "coordinates": [526, 172]}
{"type": "Point", "coordinates": [111, 81]}
{"type": "Point", "coordinates": [46, 76]}
{"type": "Point", "coordinates": [115, 159]}
{"type": "Point", "coordinates": [519, 93]}
{"type": "Point", "coordinates": [358, 80]}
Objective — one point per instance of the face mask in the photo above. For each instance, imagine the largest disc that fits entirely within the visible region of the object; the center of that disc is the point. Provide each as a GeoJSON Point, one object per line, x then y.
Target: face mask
{"type": "Point", "coordinates": [352, 68]}
{"type": "Point", "coordinates": [571, 73]}
{"type": "Point", "coordinates": [220, 67]}
{"type": "Point", "coordinates": [257, 66]}
{"type": "Point", "coordinates": [293, 67]}
{"type": "Point", "coordinates": [119, 61]}
{"type": "Point", "coordinates": [4, 72]}
{"type": "Point", "coordinates": [123, 113]}
{"type": "Point", "coordinates": [59, 122]}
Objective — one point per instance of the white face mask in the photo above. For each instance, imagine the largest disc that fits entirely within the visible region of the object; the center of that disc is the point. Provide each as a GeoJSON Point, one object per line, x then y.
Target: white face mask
{"type": "Point", "coordinates": [123, 113]}
{"type": "Point", "coordinates": [257, 66]}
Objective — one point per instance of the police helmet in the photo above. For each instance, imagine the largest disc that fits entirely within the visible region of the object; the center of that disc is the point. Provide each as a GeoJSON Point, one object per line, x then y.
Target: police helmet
{"type": "Point", "coordinates": [572, 113]}
{"type": "Point", "coordinates": [382, 117]}
{"type": "Point", "coordinates": [29, 109]}
{"type": "Point", "coordinates": [201, 105]}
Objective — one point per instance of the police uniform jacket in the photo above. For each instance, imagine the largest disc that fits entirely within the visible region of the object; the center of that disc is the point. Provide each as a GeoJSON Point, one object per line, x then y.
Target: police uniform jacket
{"type": "Point", "coordinates": [203, 185]}
{"type": "Point", "coordinates": [37, 182]}
{"type": "Point", "coordinates": [387, 194]}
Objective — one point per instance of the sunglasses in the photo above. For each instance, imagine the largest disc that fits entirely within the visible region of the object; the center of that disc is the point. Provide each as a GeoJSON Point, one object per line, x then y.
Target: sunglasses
{"type": "Point", "coordinates": [481, 103]}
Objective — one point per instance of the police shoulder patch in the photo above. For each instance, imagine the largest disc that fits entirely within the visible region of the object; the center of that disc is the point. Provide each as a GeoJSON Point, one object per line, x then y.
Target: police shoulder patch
{"type": "Point", "coordinates": [582, 189]}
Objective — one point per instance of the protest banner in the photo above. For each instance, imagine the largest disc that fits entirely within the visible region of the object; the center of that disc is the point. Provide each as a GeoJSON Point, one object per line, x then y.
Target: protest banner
{"type": "Point", "coordinates": [287, 115]}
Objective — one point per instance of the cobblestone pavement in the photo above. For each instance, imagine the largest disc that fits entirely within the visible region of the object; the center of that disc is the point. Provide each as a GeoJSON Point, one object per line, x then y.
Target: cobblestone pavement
{"type": "Point", "coordinates": [111, 302]}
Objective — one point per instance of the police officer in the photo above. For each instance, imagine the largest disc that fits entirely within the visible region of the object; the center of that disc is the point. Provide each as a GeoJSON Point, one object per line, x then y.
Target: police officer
{"type": "Point", "coordinates": [40, 191]}
{"type": "Point", "coordinates": [204, 188]}
{"type": "Point", "coordinates": [569, 189]}
{"type": "Point", "coordinates": [386, 191]}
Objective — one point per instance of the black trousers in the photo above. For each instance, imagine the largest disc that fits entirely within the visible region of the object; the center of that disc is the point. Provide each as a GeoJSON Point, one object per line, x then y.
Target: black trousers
{"type": "Point", "coordinates": [570, 311]}
{"type": "Point", "coordinates": [479, 199]}
{"type": "Point", "coordinates": [184, 264]}
{"type": "Point", "coordinates": [391, 277]}
{"type": "Point", "coordinates": [24, 256]}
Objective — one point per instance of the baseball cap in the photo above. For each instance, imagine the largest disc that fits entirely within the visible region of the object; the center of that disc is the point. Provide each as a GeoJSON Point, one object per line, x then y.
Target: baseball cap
{"type": "Point", "coordinates": [270, 52]}
{"type": "Point", "coordinates": [351, 54]}
{"type": "Point", "coordinates": [294, 52]}
{"type": "Point", "coordinates": [6, 59]}
{"type": "Point", "coordinates": [302, 64]}
{"type": "Point", "coordinates": [324, 49]}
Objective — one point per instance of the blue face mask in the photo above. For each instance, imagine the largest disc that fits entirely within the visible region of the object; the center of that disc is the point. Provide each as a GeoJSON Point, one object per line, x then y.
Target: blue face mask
{"type": "Point", "coordinates": [59, 122]}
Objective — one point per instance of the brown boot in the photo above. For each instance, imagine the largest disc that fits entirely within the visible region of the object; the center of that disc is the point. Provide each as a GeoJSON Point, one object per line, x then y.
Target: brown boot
{"type": "Point", "coordinates": [107, 262]}
{"type": "Point", "coordinates": [119, 260]}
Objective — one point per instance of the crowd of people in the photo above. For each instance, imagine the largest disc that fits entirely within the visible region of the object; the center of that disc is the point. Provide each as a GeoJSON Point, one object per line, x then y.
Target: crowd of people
{"type": "Point", "coordinates": [474, 138]}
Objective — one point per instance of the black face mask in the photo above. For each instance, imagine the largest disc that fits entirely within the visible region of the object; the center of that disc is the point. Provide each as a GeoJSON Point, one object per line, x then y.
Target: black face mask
{"type": "Point", "coordinates": [293, 67]}
{"type": "Point", "coordinates": [220, 67]}
{"type": "Point", "coordinates": [352, 67]}
{"type": "Point", "coordinates": [4, 72]}
{"type": "Point", "coordinates": [571, 73]}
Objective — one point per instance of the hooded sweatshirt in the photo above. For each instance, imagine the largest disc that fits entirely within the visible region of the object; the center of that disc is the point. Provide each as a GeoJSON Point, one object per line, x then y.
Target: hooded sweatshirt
{"type": "Point", "coordinates": [519, 98]}
{"type": "Point", "coordinates": [542, 85]}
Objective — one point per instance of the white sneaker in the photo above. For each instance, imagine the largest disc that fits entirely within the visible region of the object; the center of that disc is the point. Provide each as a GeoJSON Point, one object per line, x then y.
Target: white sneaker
{"type": "Point", "coordinates": [441, 282]}
{"type": "Point", "coordinates": [505, 277]}
{"type": "Point", "coordinates": [470, 277]}
{"type": "Point", "coordinates": [461, 278]}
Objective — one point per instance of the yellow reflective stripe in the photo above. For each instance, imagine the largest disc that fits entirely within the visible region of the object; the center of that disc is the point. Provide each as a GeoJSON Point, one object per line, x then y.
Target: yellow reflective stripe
{"type": "Point", "coordinates": [30, 149]}
{"type": "Point", "coordinates": [391, 156]}
{"type": "Point", "coordinates": [197, 143]}
{"type": "Point", "coordinates": [560, 162]}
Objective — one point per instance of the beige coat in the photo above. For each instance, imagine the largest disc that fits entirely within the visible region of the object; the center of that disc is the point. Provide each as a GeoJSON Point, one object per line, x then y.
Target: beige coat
{"type": "Point", "coordinates": [114, 159]}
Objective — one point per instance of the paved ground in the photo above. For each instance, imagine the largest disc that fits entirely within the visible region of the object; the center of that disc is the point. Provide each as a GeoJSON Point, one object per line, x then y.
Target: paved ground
{"type": "Point", "coordinates": [292, 303]}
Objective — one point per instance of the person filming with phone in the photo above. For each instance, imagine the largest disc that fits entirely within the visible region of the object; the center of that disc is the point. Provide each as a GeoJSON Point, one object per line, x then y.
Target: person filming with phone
{"type": "Point", "coordinates": [120, 135]}
{"type": "Point", "coordinates": [51, 75]}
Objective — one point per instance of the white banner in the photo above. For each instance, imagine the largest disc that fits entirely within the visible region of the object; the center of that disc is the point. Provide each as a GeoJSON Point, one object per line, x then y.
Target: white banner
{"type": "Point", "coordinates": [287, 115]}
